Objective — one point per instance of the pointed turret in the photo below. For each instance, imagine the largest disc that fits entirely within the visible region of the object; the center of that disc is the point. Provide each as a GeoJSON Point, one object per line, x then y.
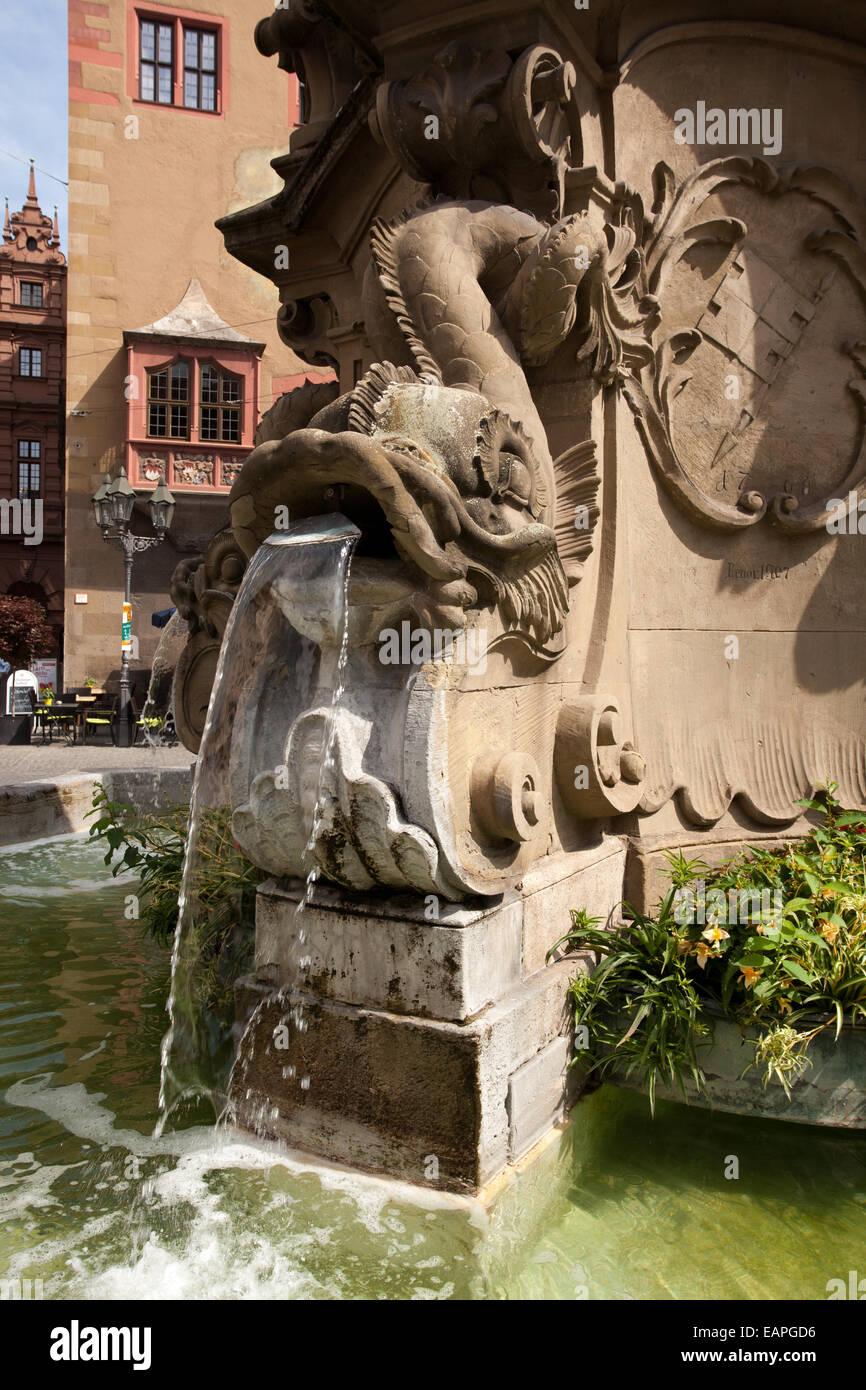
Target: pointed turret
{"type": "Point", "coordinates": [31, 189]}
{"type": "Point", "coordinates": [7, 226]}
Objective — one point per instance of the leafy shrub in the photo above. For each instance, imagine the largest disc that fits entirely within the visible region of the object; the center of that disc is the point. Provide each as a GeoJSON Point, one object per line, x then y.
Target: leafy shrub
{"type": "Point", "coordinates": [225, 885]}
{"type": "Point", "coordinates": [775, 939]}
{"type": "Point", "coordinates": [25, 631]}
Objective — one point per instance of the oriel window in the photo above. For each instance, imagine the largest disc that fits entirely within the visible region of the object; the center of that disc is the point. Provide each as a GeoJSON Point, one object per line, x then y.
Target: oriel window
{"type": "Point", "coordinates": [199, 69]}
{"type": "Point", "coordinates": [156, 61]}
{"type": "Point", "coordinates": [168, 402]}
{"type": "Point", "coordinates": [29, 467]}
{"type": "Point", "coordinates": [31, 294]}
{"type": "Point", "coordinates": [220, 406]}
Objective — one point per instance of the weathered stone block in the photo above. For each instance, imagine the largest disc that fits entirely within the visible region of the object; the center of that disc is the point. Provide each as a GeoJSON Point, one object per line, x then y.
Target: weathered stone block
{"type": "Point", "coordinates": [537, 1091]}
{"type": "Point", "coordinates": [386, 954]}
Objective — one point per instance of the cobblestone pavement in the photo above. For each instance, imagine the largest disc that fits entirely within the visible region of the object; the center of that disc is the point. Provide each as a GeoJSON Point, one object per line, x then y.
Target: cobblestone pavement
{"type": "Point", "coordinates": [37, 762]}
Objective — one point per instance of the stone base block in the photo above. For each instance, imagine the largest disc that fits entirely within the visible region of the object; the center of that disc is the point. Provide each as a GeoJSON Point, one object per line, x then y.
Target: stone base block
{"type": "Point", "coordinates": [426, 1101]}
{"type": "Point", "coordinates": [434, 1051]}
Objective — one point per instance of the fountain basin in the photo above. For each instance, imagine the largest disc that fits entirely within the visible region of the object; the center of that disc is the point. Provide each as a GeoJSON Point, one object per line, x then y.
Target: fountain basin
{"type": "Point", "coordinates": [830, 1091]}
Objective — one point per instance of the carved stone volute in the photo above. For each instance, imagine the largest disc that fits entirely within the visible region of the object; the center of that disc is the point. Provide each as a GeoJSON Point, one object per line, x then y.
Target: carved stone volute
{"type": "Point", "coordinates": [327, 58]}
{"type": "Point", "coordinates": [479, 125]}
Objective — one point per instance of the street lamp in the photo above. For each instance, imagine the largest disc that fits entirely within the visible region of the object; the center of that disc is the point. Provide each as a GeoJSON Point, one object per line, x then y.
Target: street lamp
{"type": "Point", "coordinates": [113, 504]}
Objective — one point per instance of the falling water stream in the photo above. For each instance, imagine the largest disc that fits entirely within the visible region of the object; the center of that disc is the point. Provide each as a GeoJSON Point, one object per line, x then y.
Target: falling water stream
{"type": "Point", "coordinates": [312, 563]}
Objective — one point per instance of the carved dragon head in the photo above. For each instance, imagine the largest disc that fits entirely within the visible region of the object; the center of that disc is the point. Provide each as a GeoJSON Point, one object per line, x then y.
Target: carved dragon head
{"type": "Point", "coordinates": [447, 493]}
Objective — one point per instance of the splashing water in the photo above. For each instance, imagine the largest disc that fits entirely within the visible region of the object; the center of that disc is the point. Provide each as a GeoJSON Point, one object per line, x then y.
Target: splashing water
{"type": "Point", "coordinates": [310, 563]}
{"type": "Point", "coordinates": [297, 1014]}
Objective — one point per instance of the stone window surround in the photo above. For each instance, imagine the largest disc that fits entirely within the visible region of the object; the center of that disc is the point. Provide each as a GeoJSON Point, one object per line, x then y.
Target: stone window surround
{"type": "Point", "coordinates": [26, 280]}
{"type": "Point", "coordinates": [29, 432]}
{"type": "Point", "coordinates": [192, 19]}
{"type": "Point", "coordinates": [31, 348]}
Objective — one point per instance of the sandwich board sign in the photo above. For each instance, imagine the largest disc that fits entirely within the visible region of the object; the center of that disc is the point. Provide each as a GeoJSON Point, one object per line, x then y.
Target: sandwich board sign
{"type": "Point", "coordinates": [18, 691]}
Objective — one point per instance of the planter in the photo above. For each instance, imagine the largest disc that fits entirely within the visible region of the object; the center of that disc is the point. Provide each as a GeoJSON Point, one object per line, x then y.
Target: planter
{"type": "Point", "coordinates": [830, 1091]}
{"type": "Point", "coordinates": [15, 728]}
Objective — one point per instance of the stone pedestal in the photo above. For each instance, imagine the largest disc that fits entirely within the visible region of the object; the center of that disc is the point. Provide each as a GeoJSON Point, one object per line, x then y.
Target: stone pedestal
{"type": "Point", "coordinates": [437, 1051]}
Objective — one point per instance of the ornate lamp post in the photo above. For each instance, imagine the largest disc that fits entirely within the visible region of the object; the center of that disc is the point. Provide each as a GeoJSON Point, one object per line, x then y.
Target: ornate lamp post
{"type": "Point", "coordinates": [112, 509]}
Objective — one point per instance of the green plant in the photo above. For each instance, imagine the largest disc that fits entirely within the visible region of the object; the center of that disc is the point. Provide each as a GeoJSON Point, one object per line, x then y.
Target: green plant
{"type": "Point", "coordinates": [225, 885]}
{"type": "Point", "coordinates": [776, 939]}
{"type": "Point", "coordinates": [782, 934]}
{"type": "Point", "coordinates": [639, 1007]}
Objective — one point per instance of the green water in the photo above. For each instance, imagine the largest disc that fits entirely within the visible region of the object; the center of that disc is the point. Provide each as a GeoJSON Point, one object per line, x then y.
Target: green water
{"type": "Point", "coordinates": [622, 1207]}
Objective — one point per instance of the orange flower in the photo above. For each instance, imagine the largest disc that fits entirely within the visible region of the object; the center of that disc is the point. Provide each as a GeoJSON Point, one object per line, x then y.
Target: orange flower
{"type": "Point", "coordinates": [749, 975]}
{"type": "Point", "coordinates": [715, 935]}
{"type": "Point", "coordinates": [829, 930]}
{"type": "Point", "coordinates": [703, 953]}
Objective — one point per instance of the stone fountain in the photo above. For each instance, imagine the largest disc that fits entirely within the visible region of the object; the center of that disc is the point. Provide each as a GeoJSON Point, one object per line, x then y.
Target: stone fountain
{"type": "Point", "coordinates": [598, 407]}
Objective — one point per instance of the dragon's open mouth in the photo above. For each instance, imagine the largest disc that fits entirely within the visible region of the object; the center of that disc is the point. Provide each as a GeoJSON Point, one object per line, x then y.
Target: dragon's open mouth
{"type": "Point", "coordinates": [419, 541]}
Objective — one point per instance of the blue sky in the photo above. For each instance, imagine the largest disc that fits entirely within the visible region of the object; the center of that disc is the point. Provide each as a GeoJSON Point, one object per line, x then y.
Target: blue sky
{"type": "Point", "coordinates": [33, 105]}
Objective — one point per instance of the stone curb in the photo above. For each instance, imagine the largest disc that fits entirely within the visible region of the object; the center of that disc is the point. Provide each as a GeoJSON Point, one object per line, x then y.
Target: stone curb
{"type": "Point", "coordinates": [61, 806]}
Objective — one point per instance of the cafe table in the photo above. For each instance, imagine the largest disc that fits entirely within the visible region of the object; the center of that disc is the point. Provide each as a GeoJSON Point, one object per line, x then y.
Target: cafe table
{"type": "Point", "coordinates": [65, 713]}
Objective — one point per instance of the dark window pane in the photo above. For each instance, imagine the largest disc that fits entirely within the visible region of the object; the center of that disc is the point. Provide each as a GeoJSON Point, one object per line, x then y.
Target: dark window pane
{"type": "Point", "coordinates": [199, 57]}
{"type": "Point", "coordinates": [179, 421]}
{"type": "Point", "coordinates": [209, 415]}
{"type": "Point", "coordinates": [158, 385]}
{"type": "Point", "coordinates": [180, 382]}
{"type": "Point", "coordinates": [209, 385]}
{"type": "Point", "coordinates": [231, 388]}
{"type": "Point", "coordinates": [165, 53]}
{"type": "Point", "coordinates": [156, 419]}
{"type": "Point", "coordinates": [231, 426]}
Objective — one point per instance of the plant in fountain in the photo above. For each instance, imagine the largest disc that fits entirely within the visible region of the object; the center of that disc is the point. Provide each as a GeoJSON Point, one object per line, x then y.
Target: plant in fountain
{"type": "Point", "coordinates": [640, 1007]}
{"type": "Point", "coordinates": [774, 940]}
{"type": "Point", "coordinates": [153, 848]}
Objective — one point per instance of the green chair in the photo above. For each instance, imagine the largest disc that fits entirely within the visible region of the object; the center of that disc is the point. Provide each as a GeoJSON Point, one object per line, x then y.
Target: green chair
{"type": "Point", "coordinates": [100, 718]}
